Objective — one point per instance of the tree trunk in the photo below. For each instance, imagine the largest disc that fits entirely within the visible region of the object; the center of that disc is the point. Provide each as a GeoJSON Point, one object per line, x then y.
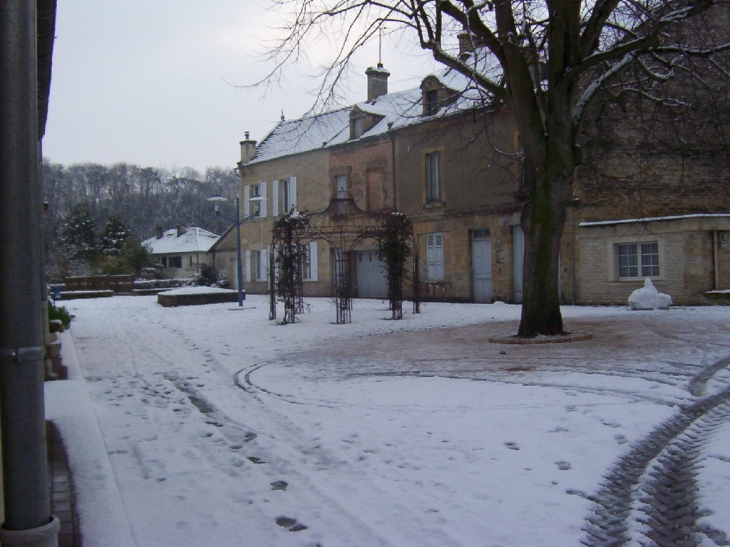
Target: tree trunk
{"type": "Point", "coordinates": [543, 218]}
{"type": "Point", "coordinates": [541, 277]}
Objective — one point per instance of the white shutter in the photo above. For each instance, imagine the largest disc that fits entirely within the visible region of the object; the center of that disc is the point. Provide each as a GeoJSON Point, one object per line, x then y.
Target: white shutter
{"type": "Point", "coordinates": [264, 264]}
{"type": "Point", "coordinates": [263, 202]}
{"type": "Point", "coordinates": [247, 265]}
{"type": "Point", "coordinates": [275, 198]}
{"type": "Point", "coordinates": [246, 191]}
{"type": "Point", "coordinates": [439, 256]}
{"type": "Point", "coordinates": [313, 264]}
{"type": "Point", "coordinates": [435, 256]}
{"type": "Point", "coordinates": [429, 257]}
{"type": "Point", "coordinates": [292, 193]}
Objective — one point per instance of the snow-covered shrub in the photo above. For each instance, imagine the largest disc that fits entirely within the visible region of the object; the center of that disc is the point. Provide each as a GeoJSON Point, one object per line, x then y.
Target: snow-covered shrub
{"type": "Point", "coordinates": [162, 283]}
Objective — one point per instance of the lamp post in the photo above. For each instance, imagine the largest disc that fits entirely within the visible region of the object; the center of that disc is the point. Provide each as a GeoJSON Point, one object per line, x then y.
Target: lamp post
{"type": "Point", "coordinates": [237, 223]}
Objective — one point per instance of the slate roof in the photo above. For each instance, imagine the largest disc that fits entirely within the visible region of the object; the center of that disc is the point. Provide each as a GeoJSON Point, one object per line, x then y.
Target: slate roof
{"type": "Point", "coordinates": [303, 135]}
{"type": "Point", "coordinates": [193, 240]}
{"type": "Point", "coordinates": [401, 109]}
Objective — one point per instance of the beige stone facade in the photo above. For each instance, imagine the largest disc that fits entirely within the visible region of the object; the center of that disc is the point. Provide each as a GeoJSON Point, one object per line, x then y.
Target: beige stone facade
{"type": "Point", "coordinates": [693, 257]}
{"type": "Point", "coordinates": [478, 191]}
{"type": "Point", "coordinates": [310, 173]}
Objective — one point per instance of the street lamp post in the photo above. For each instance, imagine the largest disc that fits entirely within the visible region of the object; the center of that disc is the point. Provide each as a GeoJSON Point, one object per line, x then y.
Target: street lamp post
{"type": "Point", "coordinates": [237, 223]}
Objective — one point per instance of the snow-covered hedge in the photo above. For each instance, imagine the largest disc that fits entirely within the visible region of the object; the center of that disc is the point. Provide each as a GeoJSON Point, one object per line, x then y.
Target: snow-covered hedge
{"type": "Point", "coordinates": [163, 283]}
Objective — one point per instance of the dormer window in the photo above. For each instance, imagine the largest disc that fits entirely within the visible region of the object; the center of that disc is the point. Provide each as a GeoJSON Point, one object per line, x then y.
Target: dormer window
{"type": "Point", "coordinates": [435, 96]}
{"type": "Point", "coordinates": [431, 102]}
{"type": "Point", "coordinates": [362, 121]}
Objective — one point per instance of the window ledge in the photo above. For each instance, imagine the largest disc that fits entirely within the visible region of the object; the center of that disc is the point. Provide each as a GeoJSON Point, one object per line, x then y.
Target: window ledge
{"type": "Point", "coordinates": [434, 205]}
{"type": "Point", "coordinates": [638, 279]}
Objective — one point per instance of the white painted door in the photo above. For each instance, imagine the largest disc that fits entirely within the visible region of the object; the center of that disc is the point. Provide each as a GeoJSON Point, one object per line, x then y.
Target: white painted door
{"type": "Point", "coordinates": [233, 269]}
{"type": "Point", "coordinates": [370, 275]}
{"type": "Point", "coordinates": [481, 265]}
{"type": "Point", "coordinates": [518, 254]}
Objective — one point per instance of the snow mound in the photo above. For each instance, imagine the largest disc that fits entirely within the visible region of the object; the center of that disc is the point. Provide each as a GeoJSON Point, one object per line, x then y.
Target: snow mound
{"type": "Point", "coordinates": [649, 298]}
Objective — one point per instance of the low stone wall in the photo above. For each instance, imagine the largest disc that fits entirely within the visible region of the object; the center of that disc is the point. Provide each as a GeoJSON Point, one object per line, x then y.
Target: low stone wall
{"type": "Point", "coordinates": [196, 299]}
{"type": "Point", "coordinates": [145, 292]}
{"type": "Point", "coordinates": [70, 295]}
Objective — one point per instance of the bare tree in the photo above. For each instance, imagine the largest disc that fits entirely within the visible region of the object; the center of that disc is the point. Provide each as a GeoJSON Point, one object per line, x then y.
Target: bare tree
{"type": "Point", "coordinates": [552, 58]}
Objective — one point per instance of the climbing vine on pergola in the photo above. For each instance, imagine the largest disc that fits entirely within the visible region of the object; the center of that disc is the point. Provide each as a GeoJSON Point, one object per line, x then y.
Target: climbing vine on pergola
{"type": "Point", "coordinates": [343, 226]}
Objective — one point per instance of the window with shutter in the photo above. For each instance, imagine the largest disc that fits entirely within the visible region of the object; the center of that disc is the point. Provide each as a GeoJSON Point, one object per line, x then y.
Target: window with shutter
{"type": "Point", "coordinates": [435, 257]}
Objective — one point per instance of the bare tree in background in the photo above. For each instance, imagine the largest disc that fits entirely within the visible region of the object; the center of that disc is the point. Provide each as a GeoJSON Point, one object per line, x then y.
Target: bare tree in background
{"type": "Point", "coordinates": [553, 56]}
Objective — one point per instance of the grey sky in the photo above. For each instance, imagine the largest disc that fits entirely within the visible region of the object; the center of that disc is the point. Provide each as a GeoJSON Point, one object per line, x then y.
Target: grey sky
{"type": "Point", "coordinates": [152, 82]}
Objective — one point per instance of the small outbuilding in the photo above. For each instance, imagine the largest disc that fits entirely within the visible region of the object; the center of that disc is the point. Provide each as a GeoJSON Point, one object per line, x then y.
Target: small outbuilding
{"type": "Point", "coordinates": [686, 256]}
{"type": "Point", "coordinates": [181, 250]}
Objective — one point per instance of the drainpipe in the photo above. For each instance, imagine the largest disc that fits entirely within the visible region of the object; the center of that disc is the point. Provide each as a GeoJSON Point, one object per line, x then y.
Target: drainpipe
{"type": "Point", "coordinates": [716, 264]}
{"type": "Point", "coordinates": [28, 521]}
{"type": "Point", "coordinates": [575, 253]}
{"type": "Point", "coordinates": [392, 161]}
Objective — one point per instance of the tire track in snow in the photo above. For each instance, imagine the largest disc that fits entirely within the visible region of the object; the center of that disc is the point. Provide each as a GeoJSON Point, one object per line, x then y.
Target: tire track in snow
{"type": "Point", "coordinates": [658, 479]}
{"type": "Point", "coordinates": [698, 384]}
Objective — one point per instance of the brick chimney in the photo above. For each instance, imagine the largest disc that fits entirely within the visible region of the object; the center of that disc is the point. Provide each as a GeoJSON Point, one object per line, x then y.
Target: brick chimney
{"type": "Point", "coordinates": [248, 149]}
{"type": "Point", "coordinates": [158, 231]}
{"type": "Point", "coordinates": [467, 44]}
{"type": "Point", "coordinates": [377, 81]}
{"type": "Point", "coordinates": [181, 229]}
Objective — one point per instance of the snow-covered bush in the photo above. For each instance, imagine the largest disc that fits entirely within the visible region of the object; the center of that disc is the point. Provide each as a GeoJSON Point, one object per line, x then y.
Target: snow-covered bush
{"type": "Point", "coordinates": [162, 283]}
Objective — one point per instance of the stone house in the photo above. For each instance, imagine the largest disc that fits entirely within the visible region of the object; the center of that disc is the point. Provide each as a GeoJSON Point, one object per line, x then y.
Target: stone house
{"type": "Point", "coordinates": [420, 151]}
{"type": "Point", "coordinates": [181, 250]}
{"type": "Point", "coordinates": [288, 171]}
{"type": "Point", "coordinates": [452, 165]}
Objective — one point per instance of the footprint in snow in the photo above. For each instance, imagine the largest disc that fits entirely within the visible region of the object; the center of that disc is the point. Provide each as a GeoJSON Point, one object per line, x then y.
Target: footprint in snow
{"type": "Point", "coordinates": [279, 485]}
{"type": "Point", "coordinates": [563, 466]}
{"type": "Point", "coordinates": [290, 524]}
{"type": "Point", "coordinates": [512, 446]}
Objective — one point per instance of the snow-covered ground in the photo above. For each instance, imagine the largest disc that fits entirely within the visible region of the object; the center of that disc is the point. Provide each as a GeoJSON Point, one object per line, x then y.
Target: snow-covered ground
{"type": "Point", "coordinates": [213, 426]}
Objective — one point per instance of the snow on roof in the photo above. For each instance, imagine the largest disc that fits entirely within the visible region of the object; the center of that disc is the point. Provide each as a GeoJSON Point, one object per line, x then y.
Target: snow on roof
{"type": "Point", "coordinates": [652, 219]}
{"type": "Point", "coordinates": [193, 240]}
{"type": "Point", "coordinates": [398, 109]}
{"type": "Point", "coordinates": [303, 135]}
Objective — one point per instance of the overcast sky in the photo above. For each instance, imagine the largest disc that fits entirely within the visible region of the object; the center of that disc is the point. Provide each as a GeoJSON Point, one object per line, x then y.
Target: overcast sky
{"type": "Point", "coordinates": [153, 82]}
